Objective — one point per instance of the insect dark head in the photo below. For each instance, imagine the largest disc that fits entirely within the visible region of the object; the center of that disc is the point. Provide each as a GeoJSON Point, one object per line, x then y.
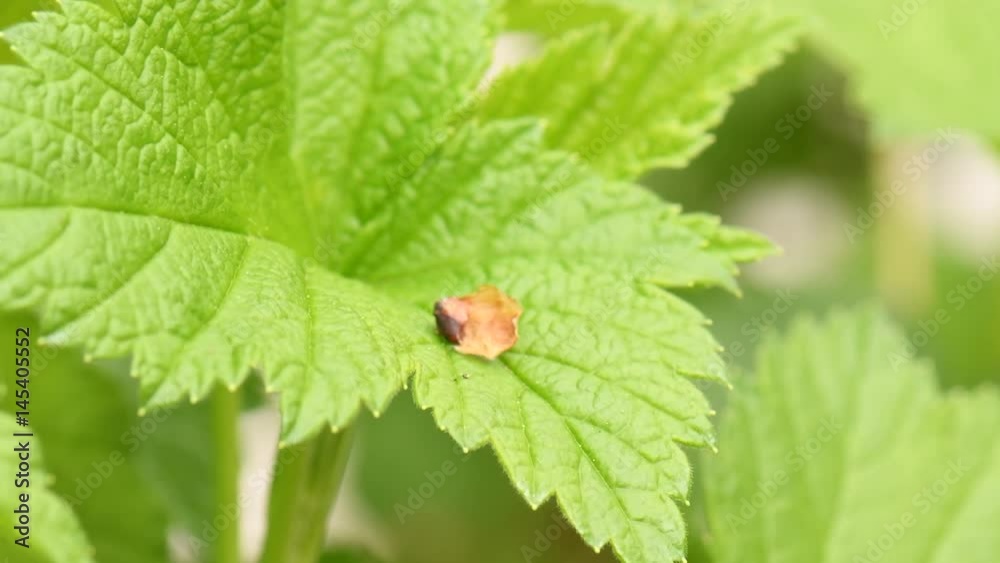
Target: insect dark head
{"type": "Point", "coordinates": [450, 328]}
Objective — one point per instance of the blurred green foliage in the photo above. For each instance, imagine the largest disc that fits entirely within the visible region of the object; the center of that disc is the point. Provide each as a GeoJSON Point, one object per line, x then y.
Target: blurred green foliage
{"type": "Point", "coordinates": [83, 417]}
{"type": "Point", "coordinates": [126, 476]}
{"type": "Point", "coordinates": [915, 65]}
{"type": "Point", "coordinates": [439, 503]}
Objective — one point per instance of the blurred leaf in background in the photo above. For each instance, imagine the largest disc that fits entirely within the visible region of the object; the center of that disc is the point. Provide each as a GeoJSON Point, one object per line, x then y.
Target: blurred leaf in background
{"type": "Point", "coordinates": [961, 327]}
{"type": "Point", "coordinates": [815, 135]}
{"type": "Point", "coordinates": [844, 439]}
{"type": "Point", "coordinates": [797, 195]}
{"type": "Point", "coordinates": [917, 65]}
{"type": "Point", "coordinates": [11, 12]}
{"type": "Point", "coordinates": [825, 177]}
{"type": "Point", "coordinates": [88, 424]}
{"type": "Point", "coordinates": [438, 504]}
{"type": "Point", "coordinates": [50, 532]}
{"type": "Point", "coordinates": [126, 477]}
{"type": "Point", "coordinates": [177, 462]}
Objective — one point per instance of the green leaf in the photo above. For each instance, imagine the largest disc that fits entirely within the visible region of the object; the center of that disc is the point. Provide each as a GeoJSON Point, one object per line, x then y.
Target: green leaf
{"type": "Point", "coordinates": [607, 361]}
{"type": "Point", "coordinates": [645, 95]}
{"type": "Point", "coordinates": [159, 187]}
{"type": "Point", "coordinates": [846, 447]}
{"type": "Point", "coordinates": [55, 534]}
{"type": "Point", "coordinates": [211, 190]}
{"type": "Point", "coordinates": [907, 60]}
{"type": "Point", "coordinates": [198, 305]}
{"type": "Point", "coordinates": [11, 12]}
{"type": "Point", "coordinates": [373, 103]}
{"type": "Point", "coordinates": [731, 244]}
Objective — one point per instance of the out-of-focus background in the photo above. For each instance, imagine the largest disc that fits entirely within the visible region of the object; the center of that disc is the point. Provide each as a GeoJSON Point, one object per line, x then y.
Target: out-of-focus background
{"type": "Point", "coordinates": [824, 196]}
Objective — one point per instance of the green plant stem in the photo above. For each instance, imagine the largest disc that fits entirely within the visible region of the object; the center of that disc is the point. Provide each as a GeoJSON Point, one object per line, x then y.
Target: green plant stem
{"type": "Point", "coordinates": [306, 480]}
{"type": "Point", "coordinates": [225, 427]}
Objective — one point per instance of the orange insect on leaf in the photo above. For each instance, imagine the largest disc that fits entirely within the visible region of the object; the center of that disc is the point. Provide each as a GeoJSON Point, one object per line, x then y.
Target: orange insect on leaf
{"type": "Point", "coordinates": [483, 323]}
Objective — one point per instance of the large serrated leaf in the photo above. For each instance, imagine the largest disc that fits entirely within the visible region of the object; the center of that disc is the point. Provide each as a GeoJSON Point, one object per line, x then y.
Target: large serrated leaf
{"type": "Point", "coordinates": [908, 60]}
{"type": "Point", "coordinates": [201, 187]}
